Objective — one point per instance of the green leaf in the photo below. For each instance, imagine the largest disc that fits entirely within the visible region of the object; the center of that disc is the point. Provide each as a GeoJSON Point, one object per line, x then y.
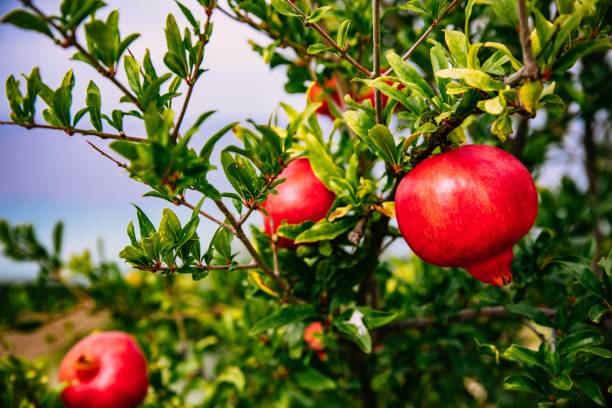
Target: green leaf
{"type": "Point", "coordinates": [208, 147]}
{"type": "Point", "coordinates": [562, 382]}
{"type": "Point", "coordinates": [176, 57]}
{"type": "Point", "coordinates": [586, 278]}
{"type": "Point", "coordinates": [473, 78]}
{"type": "Point", "coordinates": [94, 103]}
{"type": "Point", "coordinates": [282, 317]}
{"type": "Point", "coordinates": [531, 312]}
{"type": "Point", "coordinates": [581, 50]}
{"type": "Point", "coordinates": [494, 106]}
{"type": "Point", "coordinates": [189, 16]}
{"type": "Point", "coordinates": [169, 228]}
{"type": "Point", "coordinates": [457, 45]}
{"type": "Point", "coordinates": [283, 7]}
{"type": "Point", "coordinates": [525, 356]}
{"type": "Point", "coordinates": [579, 340]}
{"type": "Point", "coordinates": [313, 380]}
{"type": "Point", "coordinates": [597, 312]}
{"type": "Point", "coordinates": [376, 318]}
{"type": "Point", "coordinates": [502, 127]}
{"type": "Point", "coordinates": [529, 95]}
{"type": "Point", "coordinates": [592, 390]}
{"type": "Point", "coordinates": [355, 329]}
{"type": "Point", "coordinates": [27, 21]}
{"type": "Point", "coordinates": [409, 76]}
{"type": "Point", "coordinates": [359, 122]}
{"type": "Point", "coordinates": [598, 351]}
{"type": "Point", "coordinates": [58, 233]}
{"type": "Point", "coordinates": [317, 14]}
{"type": "Point", "coordinates": [324, 230]}
{"type": "Point", "coordinates": [381, 141]}
{"type": "Point", "coordinates": [232, 375]}
{"type": "Point", "coordinates": [146, 226]}
{"type": "Point", "coordinates": [521, 383]}
{"type": "Point", "coordinates": [321, 161]}
{"type": "Point", "coordinates": [291, 231]}
{"type": "Point", "coordinates": [317, 48]}
{"type": "Point", "coordinates": [342, 33]}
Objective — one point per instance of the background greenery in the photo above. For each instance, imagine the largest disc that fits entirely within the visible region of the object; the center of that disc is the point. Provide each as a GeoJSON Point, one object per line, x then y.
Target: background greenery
{"type": "Point", "coordinates": [397, 331]}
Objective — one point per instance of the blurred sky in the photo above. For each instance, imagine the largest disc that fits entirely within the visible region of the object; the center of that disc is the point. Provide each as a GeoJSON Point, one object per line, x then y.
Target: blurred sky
{"type": "Point", "coordinates": [47, 176]}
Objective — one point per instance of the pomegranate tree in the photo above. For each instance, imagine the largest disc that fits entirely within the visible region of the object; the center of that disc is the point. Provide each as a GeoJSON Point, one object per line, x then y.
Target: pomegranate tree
{"type": "Point", "coordinates": [466, 208]}
{"type": "Point", "coordinates": [105, 369]}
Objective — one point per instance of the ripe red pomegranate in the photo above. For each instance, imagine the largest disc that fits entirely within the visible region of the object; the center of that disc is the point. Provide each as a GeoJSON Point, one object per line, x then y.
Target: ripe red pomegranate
{"type": "Point", "coordinates": [103, 370]}
{"type": "Point", "coordinates": [301, 197]}
{"type": "Point", "coordinates": [318, 93]}
{"type": "Point", "coordinates": [466, 208]}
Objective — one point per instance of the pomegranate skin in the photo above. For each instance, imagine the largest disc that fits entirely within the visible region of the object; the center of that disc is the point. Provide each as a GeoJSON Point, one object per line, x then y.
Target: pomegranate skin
{"type": "Point", "coordinates": [466, 208]}
{"type": "Point", "coordinates": [301, 197]}
{"type": "Point", "coordinates": [316, 93]}
{"type": "Point", "coordinates": [105, 369]}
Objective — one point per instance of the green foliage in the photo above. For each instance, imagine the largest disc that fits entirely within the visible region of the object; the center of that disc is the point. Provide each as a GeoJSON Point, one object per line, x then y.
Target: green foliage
{"type": "Point", "coordinates": [395, 331]}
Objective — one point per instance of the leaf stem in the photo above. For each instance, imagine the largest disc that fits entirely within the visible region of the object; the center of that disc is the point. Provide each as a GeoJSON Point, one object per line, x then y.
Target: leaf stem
{"type": "Point", "coordinates": [71, 131]}
{"type": "Point", "coordinates": [376, 57]}
{"type": "Point", "coordinates": [193, 78]}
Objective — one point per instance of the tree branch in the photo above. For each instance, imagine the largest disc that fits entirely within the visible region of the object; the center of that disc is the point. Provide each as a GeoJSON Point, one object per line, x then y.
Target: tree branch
{"type": "Point", "coordinates": [331, 42]}
{"type": "Point", "coordinates": [529, 70]}
{"type": "Point", "coordinates": [239, 232]}
{"type": "Point", "coordinates": [462, 315]}
{"type": "Point", "coordinates": [70, 40]}
{"type": "Point", "coordinates": [195, 75]}
{"type": "Point", "coordinates": [108, 156]}
{"type": "Point", "coordinates": [181, 201]}
{"type": "Point", "coordinates": [84, 132]}
{"type": "Point", "coordinates": [426, 34]}
{"type": "Point", "coordinates": [376, 57]}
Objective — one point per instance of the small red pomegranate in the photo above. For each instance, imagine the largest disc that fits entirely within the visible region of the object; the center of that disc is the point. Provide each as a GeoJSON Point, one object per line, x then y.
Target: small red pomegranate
{"type": "Point", "coordinates": [466, 208]}
{"type": "Point", "coordinates": [318, 93]}
{"type": "Point", "coordinates": [301, 197]}
{"type": "Point", "coordinates": [103, 370]}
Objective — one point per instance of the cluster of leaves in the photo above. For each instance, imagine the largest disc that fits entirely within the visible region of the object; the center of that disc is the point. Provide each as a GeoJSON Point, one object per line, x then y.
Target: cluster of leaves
{"type": "Point", "coordinates": [429, 336]}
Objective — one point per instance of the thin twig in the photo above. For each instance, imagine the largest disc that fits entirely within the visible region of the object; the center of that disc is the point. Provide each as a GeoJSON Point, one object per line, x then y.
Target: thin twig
{"type": "Point", "coordinates": [376, 57]}
{"type": "Point", "coordinates": [465, 314]}
{"type": "Point", "coordinates": [529, 70]}
{"type": "Point", "coordinates": [108, 156]}
{"type": "Point", "coordinates": [71, 131]}
{"type": "Point", "coordinates": [195, 75]}
{"type": "Point", "coordinates": [424, 36]}
{"type": "Point", "coordinates": [331, 42]}
{"type": "Point", "coordinates": [181, 201]}
{"type": "Point", "coordinates": [70, 40]}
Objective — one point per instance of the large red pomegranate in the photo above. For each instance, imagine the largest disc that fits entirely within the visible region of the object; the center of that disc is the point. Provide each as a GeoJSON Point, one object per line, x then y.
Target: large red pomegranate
{"type": "Point", "coordinates": [105, 369]}
{"type": "Point", "coordinates": [318, 93]}
{"type": "Point", "coordinates": [301, 197]}
{"type": "Point", "coordinates": [466, 208]}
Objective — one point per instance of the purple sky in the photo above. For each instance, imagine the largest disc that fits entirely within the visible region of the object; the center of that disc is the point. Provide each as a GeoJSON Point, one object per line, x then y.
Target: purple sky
{"type": "Point", "coordinates": [47, 176]}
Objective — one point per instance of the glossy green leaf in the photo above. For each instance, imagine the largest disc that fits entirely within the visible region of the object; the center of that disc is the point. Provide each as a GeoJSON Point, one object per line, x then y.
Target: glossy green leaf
{"type": "Point", "coordinates": [282, 317]}
{"type": "Point", "coordinates": [324, 230]}
{"type": "Point", "coordinates": [313, 380]}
